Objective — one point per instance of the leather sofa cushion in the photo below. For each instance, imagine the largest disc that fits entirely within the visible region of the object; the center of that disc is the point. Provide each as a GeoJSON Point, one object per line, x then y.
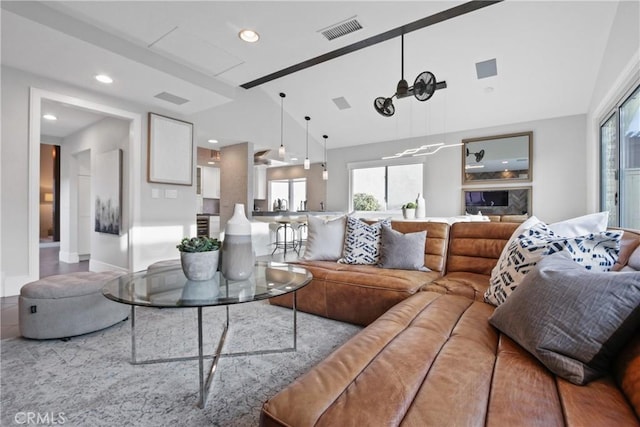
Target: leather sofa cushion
{"type": "Point", "coordinates": [629, 251]}
{"type": "Point", "coordinates": [356, 294]}
{"type": "Point", "coordinates": [434, 359]}
{"type": "Point", "coordinates": [437, 241]}
{"type": "Point", "coordinates": [476, 247]}
{"type": "Point", "coordinates": [627, 372]}
{"type": "Point", "coordinates": [470, 285]}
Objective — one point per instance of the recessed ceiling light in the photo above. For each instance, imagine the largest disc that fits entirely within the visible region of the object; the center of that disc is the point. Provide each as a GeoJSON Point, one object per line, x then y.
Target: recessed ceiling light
{"type": "Point", "coordinates": [249, 36]}
{"type": "Point", "coordinates": [213, 141]}
{"type": "Point", "coordinates": [49, 117]}
{"type": "Point", "coordinates": [505, 162]}
{"type": "Point", "coordinates": [294, 159]}
{"type": "Point", "coordinates": [103, 78]}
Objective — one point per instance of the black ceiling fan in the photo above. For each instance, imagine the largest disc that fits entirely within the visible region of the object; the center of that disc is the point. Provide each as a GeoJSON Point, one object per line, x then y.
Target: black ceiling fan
{"type": "Point", "coordinates": [479, 155]}
{"type": "Point", "coordinates": [423, 88]}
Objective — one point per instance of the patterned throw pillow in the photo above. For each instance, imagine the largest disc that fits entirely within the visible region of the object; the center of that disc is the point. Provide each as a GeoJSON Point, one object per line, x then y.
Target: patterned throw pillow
{"type": "Point", "coordinates": [597, 251]}
{"type": "Point", "coordinates": [362, 242]}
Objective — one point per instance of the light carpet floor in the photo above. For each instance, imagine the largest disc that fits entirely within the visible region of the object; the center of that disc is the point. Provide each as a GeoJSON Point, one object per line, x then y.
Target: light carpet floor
{"type": "Point", "coordinates": [91, 381]}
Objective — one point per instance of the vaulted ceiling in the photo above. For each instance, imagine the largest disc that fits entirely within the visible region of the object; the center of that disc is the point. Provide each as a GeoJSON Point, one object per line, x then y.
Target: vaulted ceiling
{"type": "Point", "coordinates": [548, 55]}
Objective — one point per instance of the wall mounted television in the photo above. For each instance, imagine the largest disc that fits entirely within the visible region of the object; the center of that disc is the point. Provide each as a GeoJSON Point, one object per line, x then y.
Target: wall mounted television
{"type": "Point", "coordinates": [487, 198]}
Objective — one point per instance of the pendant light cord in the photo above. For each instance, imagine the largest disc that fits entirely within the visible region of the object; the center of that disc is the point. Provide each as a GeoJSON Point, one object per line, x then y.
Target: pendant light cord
{"type": "Point", "coordinates": [282, 95]}
{"type": "Point", "coordinates": [402, 55]}
{"type": "Point", "coordinates": [325, 150]}
{"type": "Point", "coordinates": [307, 118]}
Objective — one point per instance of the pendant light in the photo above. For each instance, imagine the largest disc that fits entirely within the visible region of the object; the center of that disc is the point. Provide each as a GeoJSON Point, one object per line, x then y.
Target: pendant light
{"type": "Point", "coordinates": [307, 164]}
{"type": "Point", "coordinates": [281, 150]}
{"type": "Point", "coordinates": [325, 174]}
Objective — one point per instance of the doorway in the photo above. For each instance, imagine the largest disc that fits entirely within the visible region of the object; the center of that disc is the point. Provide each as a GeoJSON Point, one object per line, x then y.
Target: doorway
{"type": "Point", "coordinates": [37, 98]}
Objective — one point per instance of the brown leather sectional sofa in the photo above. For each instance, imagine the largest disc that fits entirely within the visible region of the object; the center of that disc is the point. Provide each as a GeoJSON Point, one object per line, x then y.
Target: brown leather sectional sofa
{"type": "Point", "coordinates": [429, 356]}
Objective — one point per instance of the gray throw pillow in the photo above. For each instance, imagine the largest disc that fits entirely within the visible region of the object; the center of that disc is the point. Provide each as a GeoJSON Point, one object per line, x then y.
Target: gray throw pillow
{"type": "Point", "coordinates": [402, 251]}
{"type": "Point", "coordinates": [325, 238]}
{"type": "Point", "coordinates": [573, 320]}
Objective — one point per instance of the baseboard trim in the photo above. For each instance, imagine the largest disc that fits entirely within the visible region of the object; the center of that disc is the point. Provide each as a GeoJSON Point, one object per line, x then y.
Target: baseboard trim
{"type": "Point", "coordinates": [98, 266]}
{"type": "Point", "coordinates": [69, 257]}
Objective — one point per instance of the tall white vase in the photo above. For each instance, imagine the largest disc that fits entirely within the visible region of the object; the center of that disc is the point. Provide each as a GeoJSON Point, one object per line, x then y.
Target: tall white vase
{"type": "Point", "coordinates": [421, 208]}
{"type": "Point", "coordinates": [238, 257]}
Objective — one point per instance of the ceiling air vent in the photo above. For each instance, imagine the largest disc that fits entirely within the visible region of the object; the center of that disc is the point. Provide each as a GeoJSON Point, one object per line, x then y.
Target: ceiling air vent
{"type": "Point", "coordinates": [486, 69]}
{"type": "Point", "coordinates": [341, 28]}
{"type": "Point", "coordinates": [341, 103]}
{"type": "Point", "coordinates": [169, 97]}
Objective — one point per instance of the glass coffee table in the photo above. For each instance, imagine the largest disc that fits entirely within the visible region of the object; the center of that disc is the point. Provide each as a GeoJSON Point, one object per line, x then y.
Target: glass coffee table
{"type": "Point", "coordinates": [167, 287]}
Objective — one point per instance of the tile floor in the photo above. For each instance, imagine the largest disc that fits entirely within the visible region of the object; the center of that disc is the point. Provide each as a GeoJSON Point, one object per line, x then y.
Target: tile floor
{"type": "Point", "coordinates": [50, 265]}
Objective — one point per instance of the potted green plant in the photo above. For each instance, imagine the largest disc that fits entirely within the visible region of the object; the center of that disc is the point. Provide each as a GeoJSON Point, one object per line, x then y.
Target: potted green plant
{"type": "Point", "coordinates": [199, 257]}
{"type": "Point", "coordinates": [409, 210]}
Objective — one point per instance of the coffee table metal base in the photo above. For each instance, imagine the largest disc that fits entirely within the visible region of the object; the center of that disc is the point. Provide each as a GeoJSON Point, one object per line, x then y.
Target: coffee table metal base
{"type": "Point", "coordinates": [205, 385]}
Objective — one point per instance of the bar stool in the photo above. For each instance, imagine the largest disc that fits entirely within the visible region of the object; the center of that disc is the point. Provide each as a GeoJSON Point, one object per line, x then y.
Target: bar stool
{"type": "Point", "coordinates": [284, 235]}
{"type": "Point", "coordinates": [300, 234]}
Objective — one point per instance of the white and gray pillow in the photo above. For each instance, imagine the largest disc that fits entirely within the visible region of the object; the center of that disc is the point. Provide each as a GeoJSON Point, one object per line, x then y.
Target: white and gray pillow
{"type": "Point", "coordinates": [573, 227]}
{"type": "Point", "coordinates": [573, 320]}
{"type": "Point", "coordinates": [402, 251]}
{"type": "Point", "coordinates": [362, 242]}
{"type": "Point", "coordinates": [325, 238]}
{"type": "Point", "coordinates": [597, 251]}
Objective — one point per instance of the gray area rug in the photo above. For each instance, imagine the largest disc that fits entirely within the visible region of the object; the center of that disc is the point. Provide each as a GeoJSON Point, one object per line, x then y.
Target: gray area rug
{"type": "Point", "coordinates": [91, 381]}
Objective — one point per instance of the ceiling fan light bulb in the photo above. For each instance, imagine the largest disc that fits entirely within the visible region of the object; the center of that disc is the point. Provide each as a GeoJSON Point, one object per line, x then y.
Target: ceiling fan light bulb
{"type": "Point", "coordinates": [307, 164]}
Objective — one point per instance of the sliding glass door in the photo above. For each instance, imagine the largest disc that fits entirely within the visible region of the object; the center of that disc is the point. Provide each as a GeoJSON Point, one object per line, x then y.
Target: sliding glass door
{"type": "Point", "coordinates": [620, 163]}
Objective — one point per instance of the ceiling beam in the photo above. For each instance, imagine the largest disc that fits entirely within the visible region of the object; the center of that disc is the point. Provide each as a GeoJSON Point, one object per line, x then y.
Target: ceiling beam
{"type": "Point", "coordinates": [387, 35]}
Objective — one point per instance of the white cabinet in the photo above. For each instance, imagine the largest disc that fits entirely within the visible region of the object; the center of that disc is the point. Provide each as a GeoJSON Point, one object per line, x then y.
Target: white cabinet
{"type": "Point", "coordinates": [260, 182]}
{"type": "Point", "coordinates": [210, 185]}
{"type": "Point", "coordinates": [214, 227]}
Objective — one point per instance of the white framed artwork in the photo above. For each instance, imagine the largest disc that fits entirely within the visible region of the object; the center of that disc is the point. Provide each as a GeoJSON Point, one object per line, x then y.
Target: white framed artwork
{"type": "Point", "coordinates": [170, 151]}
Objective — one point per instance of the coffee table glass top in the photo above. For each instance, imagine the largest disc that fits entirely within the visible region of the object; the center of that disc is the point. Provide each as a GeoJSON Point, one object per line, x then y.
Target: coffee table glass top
{"type": "Point", "coordinates": [168, 287]}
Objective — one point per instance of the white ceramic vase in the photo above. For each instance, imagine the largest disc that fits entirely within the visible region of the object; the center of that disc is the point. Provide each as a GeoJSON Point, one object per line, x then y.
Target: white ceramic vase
{"type": "Point", "coordinates": [421, 208]}
{"type": "Point", "coordinates": [238, 257]}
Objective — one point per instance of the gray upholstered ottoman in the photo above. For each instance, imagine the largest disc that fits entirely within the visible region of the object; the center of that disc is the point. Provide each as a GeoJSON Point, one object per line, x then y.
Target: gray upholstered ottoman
{"type": "Point", "coordinates": [67, 305]}
{"type": "Point", "coordinates": [167, 263]}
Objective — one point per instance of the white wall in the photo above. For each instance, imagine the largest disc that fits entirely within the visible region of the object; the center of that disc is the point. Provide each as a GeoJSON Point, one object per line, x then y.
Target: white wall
{"type": "Point", "coordinates": [559, 190]}
{"type": "Point", "coordinates": [161, 222]}
{"type": "Point", "coordinates": [619, 72]}
{"type": "Point", "coordinates": [107, 251]}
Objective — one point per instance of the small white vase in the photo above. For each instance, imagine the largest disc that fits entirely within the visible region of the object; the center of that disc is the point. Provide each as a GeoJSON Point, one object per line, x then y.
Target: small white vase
{"type": "Point", "coordinates": [421, 208]}
{"type": "Point", "coordinates": [238, 257]}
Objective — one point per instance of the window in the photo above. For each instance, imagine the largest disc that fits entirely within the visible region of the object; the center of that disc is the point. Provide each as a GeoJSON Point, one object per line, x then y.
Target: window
{"type": "Point", "coordinates": [287, 194]}
{"type": "Point", "coordinates": [385, 187]}
{"type": "Point", "coordinates": [620, 163]}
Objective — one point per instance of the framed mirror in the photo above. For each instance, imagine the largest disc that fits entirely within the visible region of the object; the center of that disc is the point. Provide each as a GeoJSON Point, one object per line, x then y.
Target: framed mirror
{"type": "Point", "coordinates": [501, 158]}
{"type": "Point", "coordinates": [497, 201]}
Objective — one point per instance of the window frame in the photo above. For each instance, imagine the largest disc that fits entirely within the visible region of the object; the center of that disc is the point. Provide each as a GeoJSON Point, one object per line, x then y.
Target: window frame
{"type": "Point", "coordinates": [614, 113]}
{"type": "Point", "coordinates": [351, 166]}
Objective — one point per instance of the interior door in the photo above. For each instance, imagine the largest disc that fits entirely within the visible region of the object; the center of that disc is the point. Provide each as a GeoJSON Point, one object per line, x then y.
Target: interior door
{"type": "Point", "coordinates": [84, 216]}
